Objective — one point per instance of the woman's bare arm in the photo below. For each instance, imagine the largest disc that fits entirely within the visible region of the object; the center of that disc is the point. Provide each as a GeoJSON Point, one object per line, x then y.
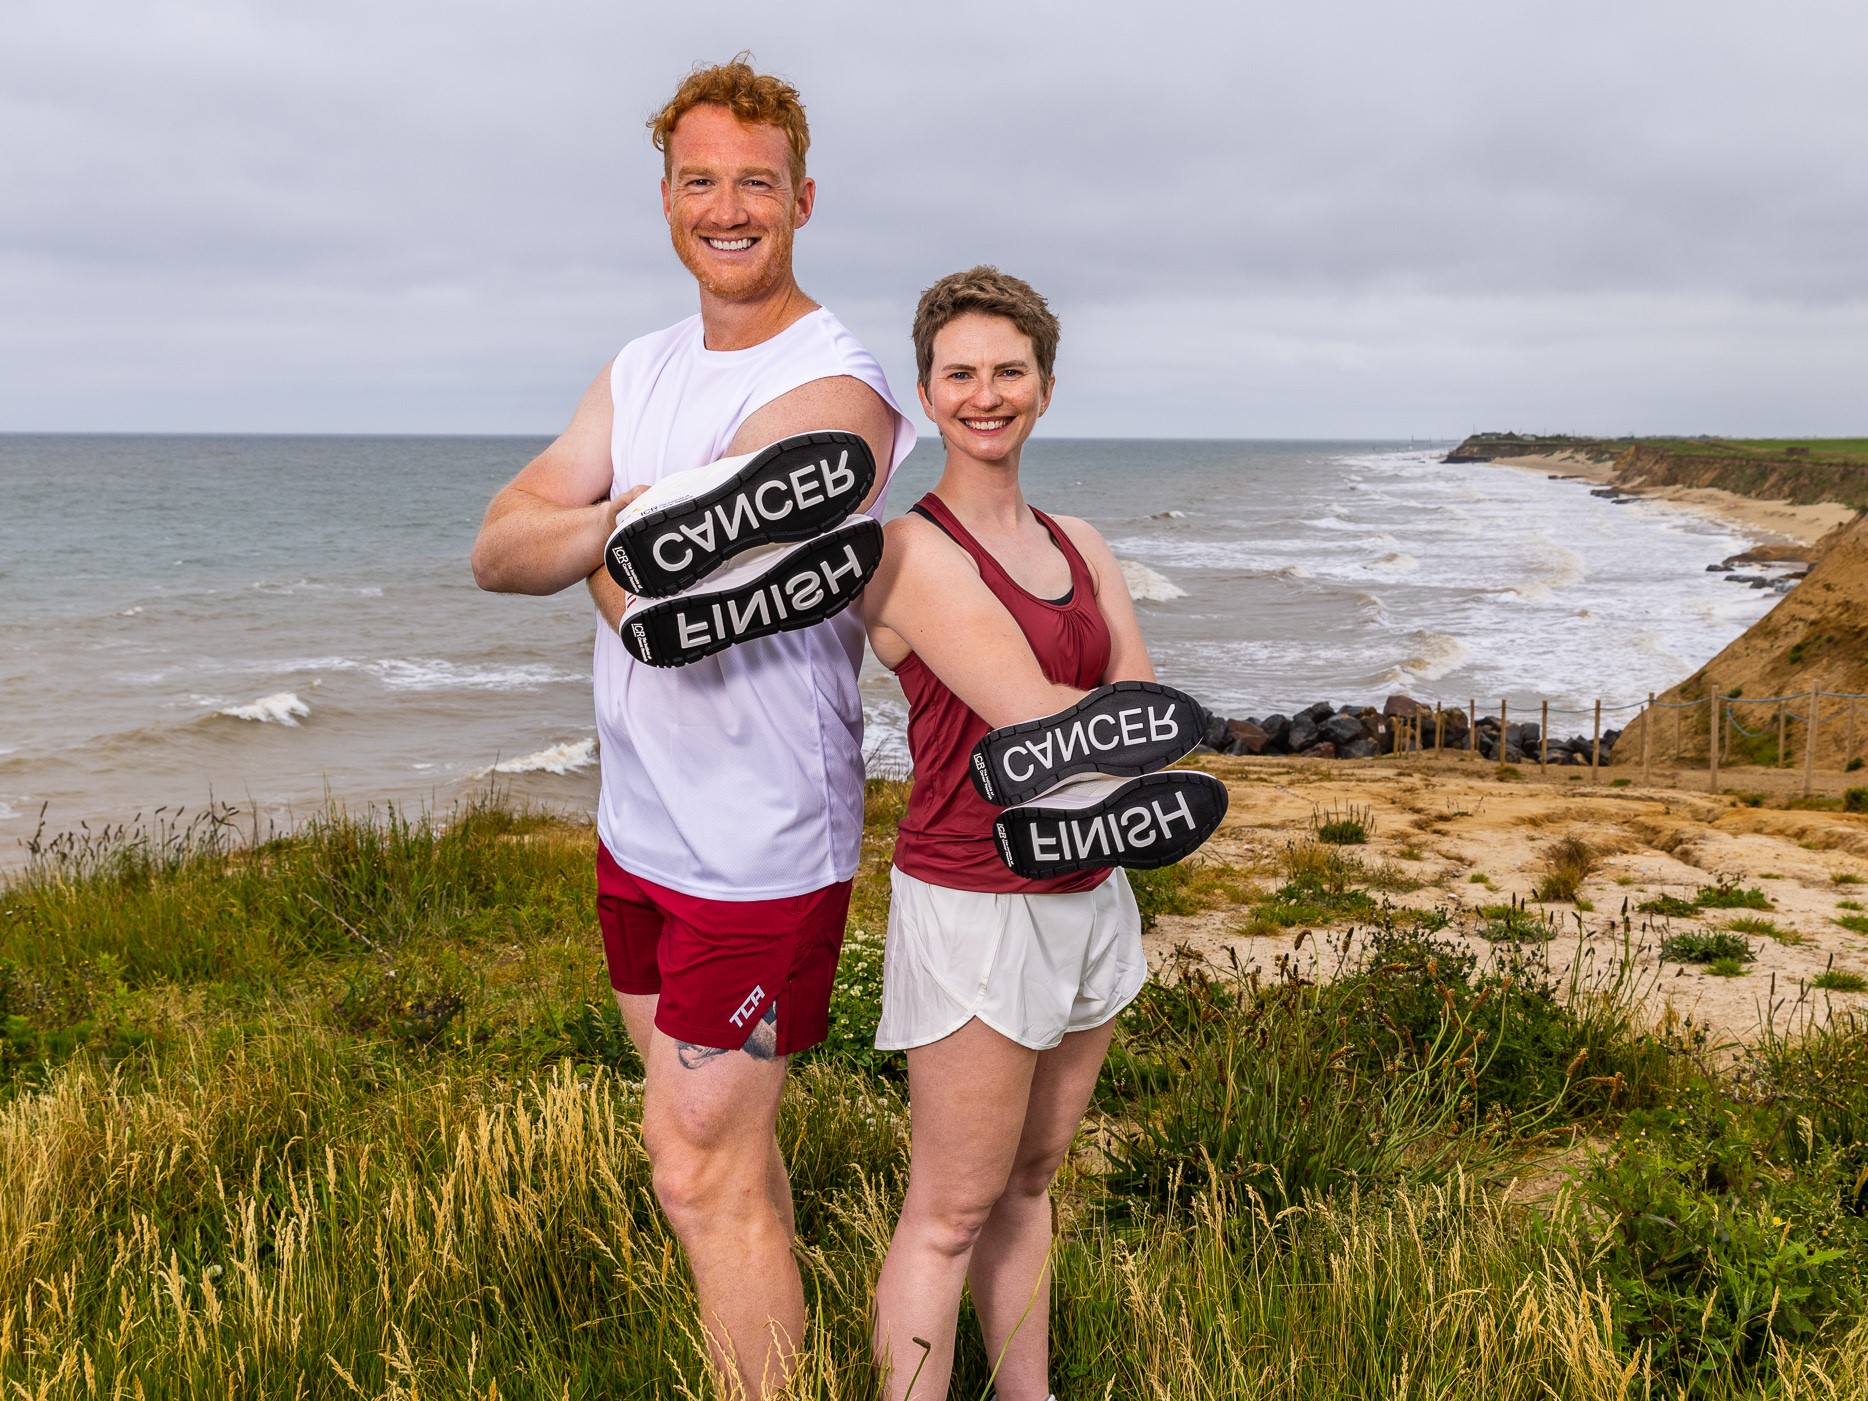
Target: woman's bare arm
{"type": "Point", "coordinates": [927, 598]}
{"type": "Point", "coordinates": [1128, 654]}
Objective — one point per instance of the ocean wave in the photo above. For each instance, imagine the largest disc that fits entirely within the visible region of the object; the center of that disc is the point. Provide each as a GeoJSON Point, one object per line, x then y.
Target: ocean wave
{"type": "Point", "coordinates": [1145, 584]}
{"type": "Point", "coordinates": [1168, 516]}
{"type": "Point", "coordinates": [8, 812]}
{"type": "Point", "coordinates": [558, 759]}
{"type": "Point", "coordinates": [1397, 561]}
{"type": "Point", "coordinates": [280, 708]}
{"type": "Point", "coordinates": [131, 612]}
{"type": "Point", "coordinates": [1562, 565]}
{"type": "Point", "coordinates": [1435, 654]}
{"type": "Point", "coordinates": [276, 586]}
{"type": "Point", "coordinates": [436, 674]}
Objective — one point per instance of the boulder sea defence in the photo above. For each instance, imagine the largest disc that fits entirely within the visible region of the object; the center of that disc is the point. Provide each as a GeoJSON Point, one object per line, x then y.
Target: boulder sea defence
{"type": "Point", "coordinates": [1401, 724]}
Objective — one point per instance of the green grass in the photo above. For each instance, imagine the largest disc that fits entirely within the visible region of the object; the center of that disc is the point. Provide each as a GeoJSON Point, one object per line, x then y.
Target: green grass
{"type": "Point", "coordinates": [1568, 862]}
{"type": "Point", "coordinates": [1346, 826]}
{"type": "Point", "coordinates": [1671, 906]}
{"type": "Point", "coordinates": [1855, 924]}
{"type": "Point", "coordinates": [1766, 928]}
{"type": "Point", "coordinates": [353, 1114]}
{"type": "Point", "coordinates": [1706, 946]}
{"type": "Point", "coordinates": [1729, 895]}
{"type": "Point", "coordinates": [1839, 980]}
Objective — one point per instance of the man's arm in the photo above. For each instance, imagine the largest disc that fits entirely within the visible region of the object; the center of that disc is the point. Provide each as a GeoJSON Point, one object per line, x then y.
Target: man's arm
{"type": "Point", "coordinates": [1128, 654]}
{"type": "Point", "coordinates": [840, 401]}
{"type": "Point", "coordinates": [927, 598]}
{"type": "Point", "coordinates": [545, 530]}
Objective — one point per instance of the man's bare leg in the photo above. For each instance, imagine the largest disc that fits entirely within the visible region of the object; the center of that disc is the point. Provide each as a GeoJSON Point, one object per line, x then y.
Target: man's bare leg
{"type": "Point", "coordinates": [708, 1121]}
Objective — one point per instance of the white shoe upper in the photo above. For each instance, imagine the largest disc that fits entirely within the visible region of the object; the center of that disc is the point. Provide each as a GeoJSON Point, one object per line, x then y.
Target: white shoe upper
{"type": "Point", "coordinates": [683, 486]}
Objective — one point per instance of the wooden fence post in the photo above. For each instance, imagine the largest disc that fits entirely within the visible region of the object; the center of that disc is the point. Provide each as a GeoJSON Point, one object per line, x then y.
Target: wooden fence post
{"type": "Point", "coordinates": [1647, 726]}
{"type": "Point", "coordinates": [1809, 749]}
{"type": "Point", "coordinates": [1783, 734]}
{"type": "Point", "coordinates": [1543, 733]}
{"type": "Point", "coordinates": [1595, 746]}
{"type": "Point", "coordinates": [1849, 758]}
{"type": "Point", "coordinates": [1712, 741]}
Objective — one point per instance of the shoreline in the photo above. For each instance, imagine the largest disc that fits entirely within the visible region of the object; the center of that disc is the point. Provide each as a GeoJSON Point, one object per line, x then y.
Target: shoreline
{"type": "Point", "coordinates": [1774, 522]}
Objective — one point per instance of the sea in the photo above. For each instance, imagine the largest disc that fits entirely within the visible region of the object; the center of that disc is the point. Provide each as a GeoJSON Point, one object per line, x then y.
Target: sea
{"type": "Point", "coordinates": [283, 623]}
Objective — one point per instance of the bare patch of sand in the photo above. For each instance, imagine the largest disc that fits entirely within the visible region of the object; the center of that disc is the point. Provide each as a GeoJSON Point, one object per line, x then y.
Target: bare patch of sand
{"type": "Point", "coordinates": [1472, 840]}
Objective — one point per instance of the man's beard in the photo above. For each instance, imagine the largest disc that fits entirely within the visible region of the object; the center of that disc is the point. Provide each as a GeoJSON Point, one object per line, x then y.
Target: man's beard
{"type": "Point", "coordinates": [752, 280]}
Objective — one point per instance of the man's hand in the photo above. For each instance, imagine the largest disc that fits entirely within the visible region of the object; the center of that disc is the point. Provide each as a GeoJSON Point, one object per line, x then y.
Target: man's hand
{"type": "Point", "coordinates": [605, 592]}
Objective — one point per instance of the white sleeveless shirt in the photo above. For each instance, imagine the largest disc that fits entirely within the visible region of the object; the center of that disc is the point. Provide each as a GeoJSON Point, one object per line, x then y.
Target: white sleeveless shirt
{"type": "Point", "coordinates": [740, 776]}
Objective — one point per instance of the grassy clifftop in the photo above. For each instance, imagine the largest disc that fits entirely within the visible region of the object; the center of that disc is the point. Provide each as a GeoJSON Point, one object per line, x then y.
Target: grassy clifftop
{"type": "Point", "coordinates": [351, 1114]}
{"type": "Point", "coordinates": [1805, 471]}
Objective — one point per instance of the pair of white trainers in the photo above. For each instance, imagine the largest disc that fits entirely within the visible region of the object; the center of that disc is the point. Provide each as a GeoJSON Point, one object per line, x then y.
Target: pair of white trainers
{"type": "Point", "coordinates": [1083, 786]}
{"type": "Point", "coordinates": [745, 547]}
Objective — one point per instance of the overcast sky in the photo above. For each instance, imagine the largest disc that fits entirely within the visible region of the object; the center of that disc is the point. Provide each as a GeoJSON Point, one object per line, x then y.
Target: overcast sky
{"type": "Point", "coordinates": [1255, 219]}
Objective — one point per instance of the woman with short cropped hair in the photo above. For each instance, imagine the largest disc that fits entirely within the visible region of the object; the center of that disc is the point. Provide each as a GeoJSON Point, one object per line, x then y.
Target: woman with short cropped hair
{"type": "Point", "coordinates": [1002, 989]}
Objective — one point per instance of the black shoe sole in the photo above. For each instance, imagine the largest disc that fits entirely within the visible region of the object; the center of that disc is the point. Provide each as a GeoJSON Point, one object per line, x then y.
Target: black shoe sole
{"type": "Point", "coordinates": [1125, 728]}
{"type": "Point", "coordinates": [1147, 822]}
{"type": "Point", "coordinates": [812, 583]}
{"type": "Point", "coordinates": [808, 472]}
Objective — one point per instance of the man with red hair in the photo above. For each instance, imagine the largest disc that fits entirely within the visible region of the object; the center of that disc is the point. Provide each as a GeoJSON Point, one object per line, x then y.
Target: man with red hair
{"type": "Point", "coordinates": [731, 811]}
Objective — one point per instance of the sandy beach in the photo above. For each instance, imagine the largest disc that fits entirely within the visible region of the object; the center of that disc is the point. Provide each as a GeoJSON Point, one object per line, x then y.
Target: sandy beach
{"type": "Point", "coordinates": [1463, 838]}
{"type": "Point", "coordinates": [1773, 522]}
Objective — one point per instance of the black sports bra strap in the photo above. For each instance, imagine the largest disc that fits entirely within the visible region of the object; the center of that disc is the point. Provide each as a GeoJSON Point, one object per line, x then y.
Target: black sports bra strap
{"type": "Point", "coordinates": [922, 511]}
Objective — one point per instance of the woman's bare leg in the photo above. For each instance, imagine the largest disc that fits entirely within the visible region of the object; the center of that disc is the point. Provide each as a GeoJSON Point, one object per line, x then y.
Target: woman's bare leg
{"type": "Point", "coordinates": [1010, 1267]}
{"type": "Point", "coordinates": [967, 1095]}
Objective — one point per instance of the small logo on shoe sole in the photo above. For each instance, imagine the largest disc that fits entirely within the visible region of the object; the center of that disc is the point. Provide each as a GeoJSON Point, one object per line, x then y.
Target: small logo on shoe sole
{"type": "Point", "coordinates": [984, 770]}
{"type": "Point", "coordinates": [621, 556]}
{"type": "Point", "coordinates": [642, 641]}
{"type": "Point", "coordinates": [748, 1007]}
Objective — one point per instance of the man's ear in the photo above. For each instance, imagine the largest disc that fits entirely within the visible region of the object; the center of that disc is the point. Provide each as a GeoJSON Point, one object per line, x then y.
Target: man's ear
{"type": "Point", "coordinates": [921, 393]}
{"type": "Point", "coordinates": [1049, 389]}
{"type": "Point", "coordinates": [668, 214]}
{"type": "Point", "coordinates": [807, 198]}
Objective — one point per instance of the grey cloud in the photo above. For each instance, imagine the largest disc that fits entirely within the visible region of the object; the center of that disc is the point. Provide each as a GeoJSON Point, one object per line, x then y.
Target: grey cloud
{"type": "Point", "coordinates": [1355, 217]}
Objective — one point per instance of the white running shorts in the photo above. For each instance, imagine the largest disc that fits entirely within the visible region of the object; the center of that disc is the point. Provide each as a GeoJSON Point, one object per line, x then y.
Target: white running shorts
{"type": "Point", "coordinates": [1031, 967]}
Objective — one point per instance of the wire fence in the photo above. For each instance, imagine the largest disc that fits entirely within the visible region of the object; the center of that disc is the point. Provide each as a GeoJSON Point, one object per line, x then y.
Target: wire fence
{"type": "Point", "coordinates": [1813, 726]}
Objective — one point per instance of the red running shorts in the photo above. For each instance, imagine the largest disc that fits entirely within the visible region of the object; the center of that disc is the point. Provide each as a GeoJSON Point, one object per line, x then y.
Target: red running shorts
{"type": "Point", "coordinates": [719, 964]}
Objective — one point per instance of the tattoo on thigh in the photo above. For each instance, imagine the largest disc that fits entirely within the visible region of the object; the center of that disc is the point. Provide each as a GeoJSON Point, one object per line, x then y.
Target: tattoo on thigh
{"type": "Point", "coordinates": [761, 1044]}
{"type": "Point", "coordinates": [694, 1057]}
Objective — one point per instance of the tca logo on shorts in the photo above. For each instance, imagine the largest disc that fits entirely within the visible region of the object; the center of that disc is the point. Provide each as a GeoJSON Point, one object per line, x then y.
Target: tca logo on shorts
{"type": "Point", "coordinates": [748, 1007]}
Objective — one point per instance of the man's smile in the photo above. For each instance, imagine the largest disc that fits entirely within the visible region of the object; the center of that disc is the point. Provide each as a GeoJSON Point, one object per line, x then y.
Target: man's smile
{"type": "Point", "coordinates": [729, 245]}
{"type": "Point", "coordinates": [985, 425]}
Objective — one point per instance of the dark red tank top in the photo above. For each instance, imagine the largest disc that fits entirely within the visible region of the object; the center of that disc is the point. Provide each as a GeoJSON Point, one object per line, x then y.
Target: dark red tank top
{"type": "Point", "coordinates": [946, 836]}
